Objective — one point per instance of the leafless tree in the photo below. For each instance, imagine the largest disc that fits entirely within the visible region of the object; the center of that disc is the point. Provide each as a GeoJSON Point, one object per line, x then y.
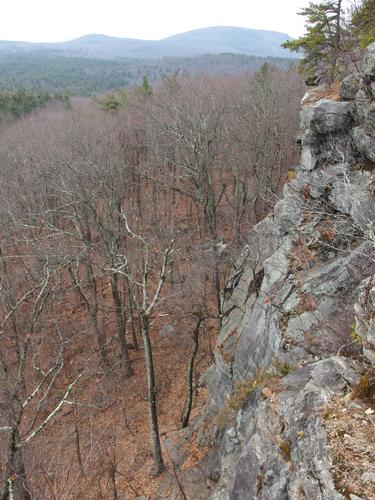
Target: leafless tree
{"type": "Point", "coordinates": [146, 285]}
{"type": "Point", "coordinates": [31, 364]}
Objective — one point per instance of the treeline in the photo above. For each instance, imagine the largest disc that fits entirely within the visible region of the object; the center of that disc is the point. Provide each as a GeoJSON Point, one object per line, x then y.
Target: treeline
{"type": "Point", "coordinates": [21, 102]}
{"type": "Point", "coordinates": [115, 225]}
{"type": "Point", "coordinates": [85, 76]}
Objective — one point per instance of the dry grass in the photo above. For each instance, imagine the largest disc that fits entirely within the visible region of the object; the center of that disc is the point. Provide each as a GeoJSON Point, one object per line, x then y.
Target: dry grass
{"type": "Point", "coordinates": [350, 430]}
{"type": "Point", "coordinates": [364, 390]}
{"type": "Point", "coordinates": [195, 454]}
{"type": "Point", "coordinates": [283, 368]}
{"type": "Point", "coordinates": [317, 93]}
{"type": "Point", "coordinates": [301, 257]}
{"type": "Point", "coordinates": [241, 394]}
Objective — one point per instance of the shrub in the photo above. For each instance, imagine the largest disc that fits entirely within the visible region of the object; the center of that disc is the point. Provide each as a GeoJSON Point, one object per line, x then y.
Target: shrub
{"type": "Point", "coordinates": [364, 390]}
{"type": "Point", "coordinates": [283, 368]}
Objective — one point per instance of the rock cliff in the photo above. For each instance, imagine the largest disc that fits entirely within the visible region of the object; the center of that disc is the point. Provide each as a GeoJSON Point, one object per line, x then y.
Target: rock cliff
{"type": "Point", "coordinates": [299, 326]}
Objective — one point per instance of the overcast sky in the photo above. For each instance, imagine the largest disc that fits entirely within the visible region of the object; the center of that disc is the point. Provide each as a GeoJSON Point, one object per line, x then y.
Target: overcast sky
{"type": "Point", "coordinates": [58, 20]}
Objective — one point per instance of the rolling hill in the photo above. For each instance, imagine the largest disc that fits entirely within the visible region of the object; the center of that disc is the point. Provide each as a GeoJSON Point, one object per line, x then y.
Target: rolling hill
{"type": "Point", "coordinates": [213, 40]}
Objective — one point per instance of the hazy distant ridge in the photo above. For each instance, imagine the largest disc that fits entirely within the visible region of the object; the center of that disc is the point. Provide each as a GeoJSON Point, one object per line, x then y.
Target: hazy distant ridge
{"type": "Point", "coordinates": [192, 43]}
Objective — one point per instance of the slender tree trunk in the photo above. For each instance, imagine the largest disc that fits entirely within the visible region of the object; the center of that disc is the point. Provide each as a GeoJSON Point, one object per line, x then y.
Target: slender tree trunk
{"type": "Point", "coordinates": [189, 403]}
{"type": "Point", "coordinates": [217, 287]}
{"type": "Point", "coordinates": [338, 26]}
{"type": "Point", "coordinates": [151, 389]}
{"type": "Point", "coordinates": [94, 313]}
{"type": "Point", "coordinates": [210, 216]}
{"type": "Point", "coordinates": [92, 309]}
{"type": "Point", "coordinates": [131, 314]}
{"type": "Point", "coordinates": [337, 47]}
{"type": "Point", "coordinates": [77, 442]}
{"type": "Point", "coordinates": [16, 486]}
{"type": "Point", "coordinates": [101, 341]}
{"type": "Point", "coordinates": [125, 361]}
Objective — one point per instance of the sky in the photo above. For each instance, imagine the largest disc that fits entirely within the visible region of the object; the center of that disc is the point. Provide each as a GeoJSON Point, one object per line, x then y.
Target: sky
{"type": "Point", "coordinates": [60, 20]}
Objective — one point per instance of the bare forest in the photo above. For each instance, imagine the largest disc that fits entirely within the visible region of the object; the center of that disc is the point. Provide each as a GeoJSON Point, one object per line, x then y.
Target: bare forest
{"type": "Point", "coordinates": [119, 231]}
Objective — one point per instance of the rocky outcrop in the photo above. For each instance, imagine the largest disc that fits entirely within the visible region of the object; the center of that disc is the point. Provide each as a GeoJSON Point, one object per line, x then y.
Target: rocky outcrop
{"type": "Point", "coordinates": [278, 429]}
{"type": "Point", "coordinates": [327, 117]}
{"type": "Point", "coordinates": [365, 317]}
{"type": "Point", "coordinates": [289, 310]}
{"type": "Point", "coordinates": [368, 65]}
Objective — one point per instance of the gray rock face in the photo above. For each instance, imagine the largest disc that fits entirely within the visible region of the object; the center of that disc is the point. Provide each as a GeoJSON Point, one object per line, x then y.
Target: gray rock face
{"type": "Point", "coordinates": [291, 304]}
{"type": "Point", "coordinates": [362, 106]}
{"type": "Point", "coordinates": [364, 142]}
{"type": "Point", "coordinates": [368, 64]}
{"type": "Point", "coordinates": [350, 87]}
{"type": "Point", "coordinates": [326, 116]}
{"type": "Point", "coordinates": [240, 292]}
{"type": "Point", "coordinates": [365, 317]}
{"type": "Point", "coordinates": [278, 449]}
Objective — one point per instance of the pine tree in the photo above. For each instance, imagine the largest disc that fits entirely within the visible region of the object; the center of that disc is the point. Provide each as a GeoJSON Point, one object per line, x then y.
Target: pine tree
{"type": "Point", "coordinates": [146, 87]}
{"type": "Point", "coordinates": [363, 23]}
{"type": "Point", "coordinates": [322, 43]}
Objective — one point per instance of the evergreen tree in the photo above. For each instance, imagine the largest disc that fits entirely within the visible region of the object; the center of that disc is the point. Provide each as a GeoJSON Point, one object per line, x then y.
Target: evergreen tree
{"type": "Point", "coordinates": [322, 43]}
{"type": "Point", "coordinates": [363, 23]}
{"type": "Point", "coordinates": [146, 87]}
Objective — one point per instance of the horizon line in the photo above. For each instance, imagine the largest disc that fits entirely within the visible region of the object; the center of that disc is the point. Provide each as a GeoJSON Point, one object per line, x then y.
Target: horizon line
{"type": "Point", "coordinates": [144, 39]}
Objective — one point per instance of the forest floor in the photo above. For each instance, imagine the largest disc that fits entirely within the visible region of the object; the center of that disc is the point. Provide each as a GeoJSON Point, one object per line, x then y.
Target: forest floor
{"type": "Point", "coordinates": [350, 426]}
{"type": "Point", "coordinates": [107, 431]}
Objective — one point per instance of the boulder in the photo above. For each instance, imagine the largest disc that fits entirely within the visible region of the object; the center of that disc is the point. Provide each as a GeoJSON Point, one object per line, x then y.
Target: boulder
{"type": "Point", "coordinates": [349, 87]}
{"type": "Point", "coordinates": [364, 142]}
{"type": "Point", "coordinates": [310, 143]}
{"type": "Point", "coordinates": [327, 116]}
{"type": "Point", "coordinates": [363, 103]}
{"type": "Point", "coordinates": [368, 63]}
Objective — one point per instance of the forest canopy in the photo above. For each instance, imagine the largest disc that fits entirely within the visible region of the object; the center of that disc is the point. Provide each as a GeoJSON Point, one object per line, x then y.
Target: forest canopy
{"type": "Point", "coordinates": [121, 220]}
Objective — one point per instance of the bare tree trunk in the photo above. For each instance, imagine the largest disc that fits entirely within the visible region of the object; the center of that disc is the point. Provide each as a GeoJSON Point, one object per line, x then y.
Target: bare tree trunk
{"type": "Point", "coordinates": [125, 361]}
{"type": "Point", "coordinates": [337, 47]}
{"type": "Point", "coordinates": [94, 313]}
{"type": "Point", "coordinates": [77, 442]}
{"type": "Point", "coordinates": [217, 287]}
{"type": "Point", "coordinates": [210, 215]}
{"type": "Point", "coordinates": [92, 309]}
{"type": "Point", "coordinates": [101, 341]}
{"type": "Point", "coordinates": [131, 314]}
{"type": "Point", "coordinates": [151, 388]}
{"type": "Point", "coordinates": [189, 403]}
{"type": "Point", "coordinates": [16, 486]}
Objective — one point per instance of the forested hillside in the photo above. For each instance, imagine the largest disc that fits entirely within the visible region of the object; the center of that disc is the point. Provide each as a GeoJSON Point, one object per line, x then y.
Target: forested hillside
{"type": "Point", "coordinates": [88, 76]}
{"type": "Point", "coordinates": [187, 266]}
{"type": "Point", "coordinates": [118, 232]}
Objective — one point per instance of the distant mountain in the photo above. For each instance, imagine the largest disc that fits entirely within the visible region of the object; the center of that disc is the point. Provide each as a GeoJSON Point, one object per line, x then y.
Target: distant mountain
{"type": "Point", "coordinates": [233, 40]}
{"type": "Point", "coordinates": [215, 40]}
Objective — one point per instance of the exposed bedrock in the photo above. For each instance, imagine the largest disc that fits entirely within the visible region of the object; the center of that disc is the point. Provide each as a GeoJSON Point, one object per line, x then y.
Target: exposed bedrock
{"type": "Point", "coordinates": [302, 286]}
